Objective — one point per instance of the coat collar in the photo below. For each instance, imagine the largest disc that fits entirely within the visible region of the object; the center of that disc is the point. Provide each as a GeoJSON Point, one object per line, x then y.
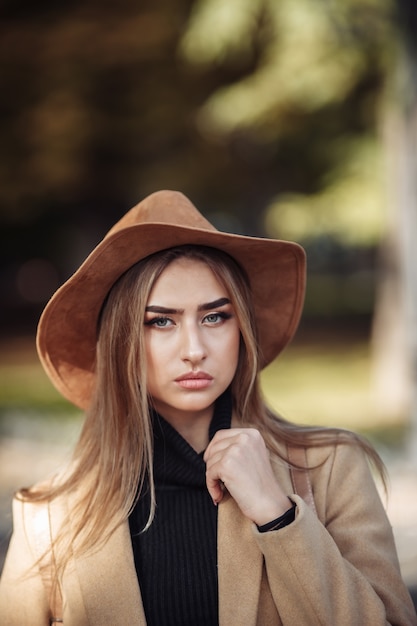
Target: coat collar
{"type": "Point", "coordinates": [103, 585]}
{"type": "Point", "coordinates": [104, 588]}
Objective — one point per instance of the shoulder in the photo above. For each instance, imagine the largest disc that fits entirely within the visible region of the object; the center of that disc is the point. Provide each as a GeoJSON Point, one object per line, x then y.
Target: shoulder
{"type": "Point", "coordinates": [344, 450]}
{"type": "Point", "coordinates": [342, 480]}
{"type": "Point", "coordinates": [38, 518]}
{"type": "Point", "coordinates": [338, 459]}
{"type": "Point", "coordinates": [321, 448]}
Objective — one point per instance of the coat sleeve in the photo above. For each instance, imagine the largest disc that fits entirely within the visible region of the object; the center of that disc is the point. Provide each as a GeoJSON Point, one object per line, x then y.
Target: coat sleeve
{"type": "Point", "coordinates": [341, 568]}
{"type": "Point", "coordinates": [23, 600]}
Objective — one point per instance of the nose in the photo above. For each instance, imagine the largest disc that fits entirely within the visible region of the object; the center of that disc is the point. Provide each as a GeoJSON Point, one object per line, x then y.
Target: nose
{"type": "Point", "coordinates": [193, 347]}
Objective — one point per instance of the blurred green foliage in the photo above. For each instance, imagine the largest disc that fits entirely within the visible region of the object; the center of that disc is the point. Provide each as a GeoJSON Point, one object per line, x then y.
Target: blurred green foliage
{"type": "Point", "coordinates": [310, 57]}
{"type": "Point", "coordinates": [350, 206]}
{"type": "Point", "coordinates": [99, 97]}
{"type": "Point", "coordinates": [310, 54]}
{"type": "Point", "coordinates": [265, 112]}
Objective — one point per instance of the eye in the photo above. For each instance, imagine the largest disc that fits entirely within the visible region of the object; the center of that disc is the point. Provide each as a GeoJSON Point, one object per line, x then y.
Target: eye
{"type": "Point", "coordinates": [216, 318]}
{"type": "Point", "coordinates": [159, 322]}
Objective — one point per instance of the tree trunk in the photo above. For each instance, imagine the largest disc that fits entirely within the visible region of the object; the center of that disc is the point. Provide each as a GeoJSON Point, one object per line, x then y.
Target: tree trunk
{"type": "Point", "coordinates": [395, 322]}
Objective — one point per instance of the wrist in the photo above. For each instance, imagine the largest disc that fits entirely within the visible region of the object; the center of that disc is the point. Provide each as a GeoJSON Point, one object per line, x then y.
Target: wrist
{"type": "Point", "coordinates": [273, 510]}
{"type": "Point", "coordinates": [280, 522]}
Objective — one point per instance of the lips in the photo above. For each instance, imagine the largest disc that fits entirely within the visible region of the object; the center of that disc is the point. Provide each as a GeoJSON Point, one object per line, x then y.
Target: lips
{"type": "Point", "coordinates": [194, 380]}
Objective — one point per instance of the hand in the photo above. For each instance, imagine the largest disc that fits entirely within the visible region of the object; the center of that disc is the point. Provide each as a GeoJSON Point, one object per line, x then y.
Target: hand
{"type": "Point", "coordinates": [239, 460]}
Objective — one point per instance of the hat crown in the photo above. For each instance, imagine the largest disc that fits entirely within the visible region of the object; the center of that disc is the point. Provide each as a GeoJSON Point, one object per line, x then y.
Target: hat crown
{"type": "Point", "coordinates": [163, 207]}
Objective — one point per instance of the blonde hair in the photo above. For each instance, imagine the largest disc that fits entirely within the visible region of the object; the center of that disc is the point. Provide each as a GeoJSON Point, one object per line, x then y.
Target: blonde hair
{"type": "Point", "coordinates": [112, 461]}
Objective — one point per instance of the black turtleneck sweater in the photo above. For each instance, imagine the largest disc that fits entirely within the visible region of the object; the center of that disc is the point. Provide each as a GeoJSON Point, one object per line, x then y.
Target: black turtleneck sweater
{"type": "Point", "coordinates": [176, 558]}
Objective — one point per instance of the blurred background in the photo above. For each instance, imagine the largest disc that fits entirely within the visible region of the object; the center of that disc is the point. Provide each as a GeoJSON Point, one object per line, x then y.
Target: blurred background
{"type": "Point", "coordinates": [282, 118]}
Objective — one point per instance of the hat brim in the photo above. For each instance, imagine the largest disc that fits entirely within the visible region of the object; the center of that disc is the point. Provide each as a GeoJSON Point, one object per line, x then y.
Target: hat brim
{"type": "Point", "coordinates": [66, 338]}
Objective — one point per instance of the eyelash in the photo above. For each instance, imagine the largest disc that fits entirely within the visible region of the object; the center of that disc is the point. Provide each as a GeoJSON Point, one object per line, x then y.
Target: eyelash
{"type": "Point", "coordinates": [220, 314]}
{"type": "Point", "coordinates": [155, 321]}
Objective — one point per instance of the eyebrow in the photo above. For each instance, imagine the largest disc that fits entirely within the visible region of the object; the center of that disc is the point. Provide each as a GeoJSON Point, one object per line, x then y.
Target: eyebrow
{"type": "Point", "coordinates": [155, 308]}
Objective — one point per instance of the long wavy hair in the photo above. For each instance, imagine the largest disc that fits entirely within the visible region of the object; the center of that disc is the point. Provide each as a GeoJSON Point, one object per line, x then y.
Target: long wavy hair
{"type": "Point", "coordinates": [112, 461]}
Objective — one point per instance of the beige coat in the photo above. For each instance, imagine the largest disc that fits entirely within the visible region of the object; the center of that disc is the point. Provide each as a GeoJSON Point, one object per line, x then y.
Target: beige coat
{"type": "Point", "coordinates": [337, 569]}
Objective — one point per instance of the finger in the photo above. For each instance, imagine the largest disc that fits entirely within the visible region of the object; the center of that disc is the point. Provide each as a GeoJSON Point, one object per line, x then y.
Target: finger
{"type": "Point", "coordinates": [215, 487]}
{"type": "Point", "coordinates": [223, 439]}
{"type": "Point", "coordinates": [219, 437]}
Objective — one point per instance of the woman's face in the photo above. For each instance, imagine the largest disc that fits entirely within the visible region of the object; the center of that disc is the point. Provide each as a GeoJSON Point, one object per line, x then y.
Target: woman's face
{"type": "Point", "coordinates": [192, 341]}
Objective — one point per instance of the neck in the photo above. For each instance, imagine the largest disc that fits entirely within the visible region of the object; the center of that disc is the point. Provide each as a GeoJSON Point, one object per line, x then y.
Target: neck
{"type": "Point", "coordinates": [193, 428]}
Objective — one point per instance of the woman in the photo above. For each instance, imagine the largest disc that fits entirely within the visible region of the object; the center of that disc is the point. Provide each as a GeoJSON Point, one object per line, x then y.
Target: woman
{"type": "Point", "coordinates": [188, 501]}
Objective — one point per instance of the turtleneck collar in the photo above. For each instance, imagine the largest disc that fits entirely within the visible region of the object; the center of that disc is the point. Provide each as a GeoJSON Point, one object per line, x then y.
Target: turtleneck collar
{"type": "Point", "coordinates": [176, 463]}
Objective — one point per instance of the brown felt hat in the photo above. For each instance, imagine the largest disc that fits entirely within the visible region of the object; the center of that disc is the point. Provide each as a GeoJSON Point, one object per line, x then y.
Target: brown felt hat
{"type": "Point", "coordinates": [67, 330]}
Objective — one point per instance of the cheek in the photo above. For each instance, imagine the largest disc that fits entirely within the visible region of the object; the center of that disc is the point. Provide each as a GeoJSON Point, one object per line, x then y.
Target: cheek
{"type": "Point", "coordinates": [149, 353]}
{"type": "Point", "coordinates": [155, 348]}
{"type": "Point", "coordinates": [160, 356]}
{"type": "Point", "coordinates": [155, 373]}
{"type": "Point", "coordinates": [153, 361]}
{"type": "Point", "coordinates": [230, 348]}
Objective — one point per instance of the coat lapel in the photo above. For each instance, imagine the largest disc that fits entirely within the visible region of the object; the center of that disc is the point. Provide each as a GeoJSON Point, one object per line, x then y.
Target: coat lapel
{"type": "Point", "coordinates": [107, 585]}
{"type": "Point", "coordinates": [108, 592]}
{"type": "Point", "coordinates": [240, 564]}
{"type": "Point", "coordinates": [104, 587]}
